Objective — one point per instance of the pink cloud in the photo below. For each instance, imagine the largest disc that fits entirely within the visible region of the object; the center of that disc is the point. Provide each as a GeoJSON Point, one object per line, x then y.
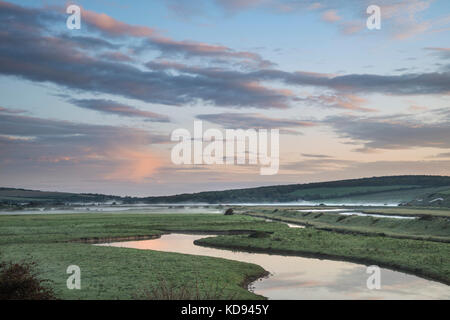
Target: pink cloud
{"type": "Point", "coordinates": [114, 27]}
{"type": "Point", "coordinates": [331, 16]}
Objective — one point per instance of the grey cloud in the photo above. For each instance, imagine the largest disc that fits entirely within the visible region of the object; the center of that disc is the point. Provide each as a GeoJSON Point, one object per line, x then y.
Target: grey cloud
{"type": "Point", "coordinates": [38, 55]}
{"type": "Point", "coordinates": [11, 111]}
{"type": "Point", "coordinates": [391, 132]}
{"type": "Point", "coordinates": [189, 49]}
{"type": "Point", "coordinates": [112, 107]}
{"type": "Point", "coordinates": [280, 6]}
{"type": "Point", "coordinates": [406, 84]}
{"type": "Point", "coordinates": [316, 165]}
{"type": "Point", "coordinates": [252, 121]}
{"type": "Point", "coordinates": [46, 58]}
{"type": "Point", "coordinates": [442, 155]}
{"type": "Point", "coordinates": [336, 169]}
{"type": "Point", "coordinates": [46, 130]}
{"type": "Point", "coordinates": [309, 155]}
{"type": "Point", "coordinates": [443, 53]}
{"type": "Point", "coordinates": [87, 42]}
{"type": "Point", "coordinates": [167, 46]}
{"type": "Point", "coordinates": [44, 150]}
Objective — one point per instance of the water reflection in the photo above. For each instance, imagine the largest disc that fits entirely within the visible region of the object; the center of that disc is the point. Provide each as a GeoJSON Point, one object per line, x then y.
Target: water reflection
{"type": "Point", "coordinates": [305, 278]}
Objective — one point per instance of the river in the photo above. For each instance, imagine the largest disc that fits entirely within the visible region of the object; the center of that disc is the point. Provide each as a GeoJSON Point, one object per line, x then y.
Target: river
{"type": "Point", "coordinates": [304, 278]}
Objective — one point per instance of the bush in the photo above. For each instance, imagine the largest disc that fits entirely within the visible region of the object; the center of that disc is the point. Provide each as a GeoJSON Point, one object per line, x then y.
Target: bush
{"type": "Point", "coordinates": [20, 281]}
{"type": "Point", "coordinates": [259, 234]}
{"type": "Point", "coordinates": [229, 212]}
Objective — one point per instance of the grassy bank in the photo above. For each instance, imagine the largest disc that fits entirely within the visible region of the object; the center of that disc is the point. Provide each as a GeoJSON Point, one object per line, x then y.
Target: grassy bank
{"type": "Point", "coordinates": [415, 212]}
{"type": "Point", "coordinates": [118, 273]}
{"type": "Point", "coordinates": [50, 228]}
{"type": "Point", "coordinates": [423, 258]}
{"type": "Point", "coordinates": [431, 227]}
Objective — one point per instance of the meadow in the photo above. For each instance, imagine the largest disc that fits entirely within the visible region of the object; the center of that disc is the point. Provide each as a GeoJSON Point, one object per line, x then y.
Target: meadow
{"type": "Point", "coordinates": [56, 241]}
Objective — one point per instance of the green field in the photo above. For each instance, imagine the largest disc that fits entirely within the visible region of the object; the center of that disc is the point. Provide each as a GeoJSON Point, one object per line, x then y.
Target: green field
{"type": "Point", "coordinates": [116, 273]}
{"type": "Point", "coordinates": [57, 241]}
{"type": "Point", "coordinates": [431, 225]}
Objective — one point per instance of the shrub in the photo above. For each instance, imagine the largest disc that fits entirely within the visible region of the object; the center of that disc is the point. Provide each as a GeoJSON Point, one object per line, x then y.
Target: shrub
{"type": "Point", "coordinates": [229, 212]}
{"type": "Point", "coordinates": [20, 281]}
{"type": "Point", "coordinates": [259, 234]}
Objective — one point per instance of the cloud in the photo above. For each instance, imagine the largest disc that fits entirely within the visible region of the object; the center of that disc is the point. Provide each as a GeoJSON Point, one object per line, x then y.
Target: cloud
{"type": "Point", "coordinates": [443, 53]}
{"type": "Point", "coordinates": [278, 6]}
{"type": "Point", "coordinates": [39, 56]}
{"type": "Point", "coordinates": [315, 165]}
{"type": "Point", "coordinates": [336, 169]}
{"type": "Point", "coordinates": [88, 43]}
{"type": "Point", "coordinates": [391, 132]}
{"type": "Point", "coordinates": [113, 27]}
{"type": "Point", "coordinates": [405, 84]}
{"type": "Point", "coordinates": [352, 27]}
{"type": "Point", "coordinates": [442, 155]}
{"type": "Point", "coordinates": [308, 155]}
{"type": "Point", "coordinates": [117, 56]}
{"type": "Point", "coordinates": [253, 121]}
{"type": "Point", "coordinates": [416, 108]}
{"type": "Point", "coordinates": [100, 151]}
{"type": "Point", "coordinates": [331, 16]}
{"type": "Point", "coordinates": [230, 88]}
{"type": "Point", "coordinates": [31, 50]}
{"type": "Point", "coordinates": [340, 101]}
{"type": "Point", "coordinates": [345, 86]}
{"type": "Point", "coordinates": [234, 5]}
{"type": "Point", "coordinates": [402, 18]}
{"type": "Point", "coordinates": [11, 111]}
{"type": "Point", "coordinates": [169, 47]}
{"type": "Point", "coordinates": [112, 107]}
{"type": "Point", "coordinates": [411, 30]}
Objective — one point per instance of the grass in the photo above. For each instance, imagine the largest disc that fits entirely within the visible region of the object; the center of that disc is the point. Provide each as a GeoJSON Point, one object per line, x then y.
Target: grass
{"type": "Point", "coordinates": [433, 228]}
{"type": "Point", "coordinates": [420, 212]}
{"type": "Point", "coordinates": [119, 273]}
{"type": "Point", "coordinates": [190, 290]}
{"type": "Point", "coordinates": [43, 228]}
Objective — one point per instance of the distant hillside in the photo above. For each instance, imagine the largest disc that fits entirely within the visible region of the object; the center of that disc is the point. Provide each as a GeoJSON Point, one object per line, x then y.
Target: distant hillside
{"type": "Point", "coordinates": [411, 190]}
{"type": "Point", "coordinates": [14, 196]}
{"type": "Point", "coordinates": [378, 189]}
{"type": "Point", "coordinates": [438, 198]}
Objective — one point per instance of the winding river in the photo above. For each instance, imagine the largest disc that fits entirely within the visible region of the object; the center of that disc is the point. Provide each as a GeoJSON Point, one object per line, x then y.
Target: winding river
{"type": "Point", "coordinates": [304, 278]}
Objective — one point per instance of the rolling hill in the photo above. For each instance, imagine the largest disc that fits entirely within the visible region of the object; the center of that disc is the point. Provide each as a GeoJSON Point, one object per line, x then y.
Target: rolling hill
{"type": "Point", "coordinates": [399, 189]}
{"type": "Point", "coordinates": [408, 190]}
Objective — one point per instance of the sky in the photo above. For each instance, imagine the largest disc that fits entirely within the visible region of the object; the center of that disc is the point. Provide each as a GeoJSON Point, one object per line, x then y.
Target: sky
{"type": "Point", "coordinates": [93, 109]}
